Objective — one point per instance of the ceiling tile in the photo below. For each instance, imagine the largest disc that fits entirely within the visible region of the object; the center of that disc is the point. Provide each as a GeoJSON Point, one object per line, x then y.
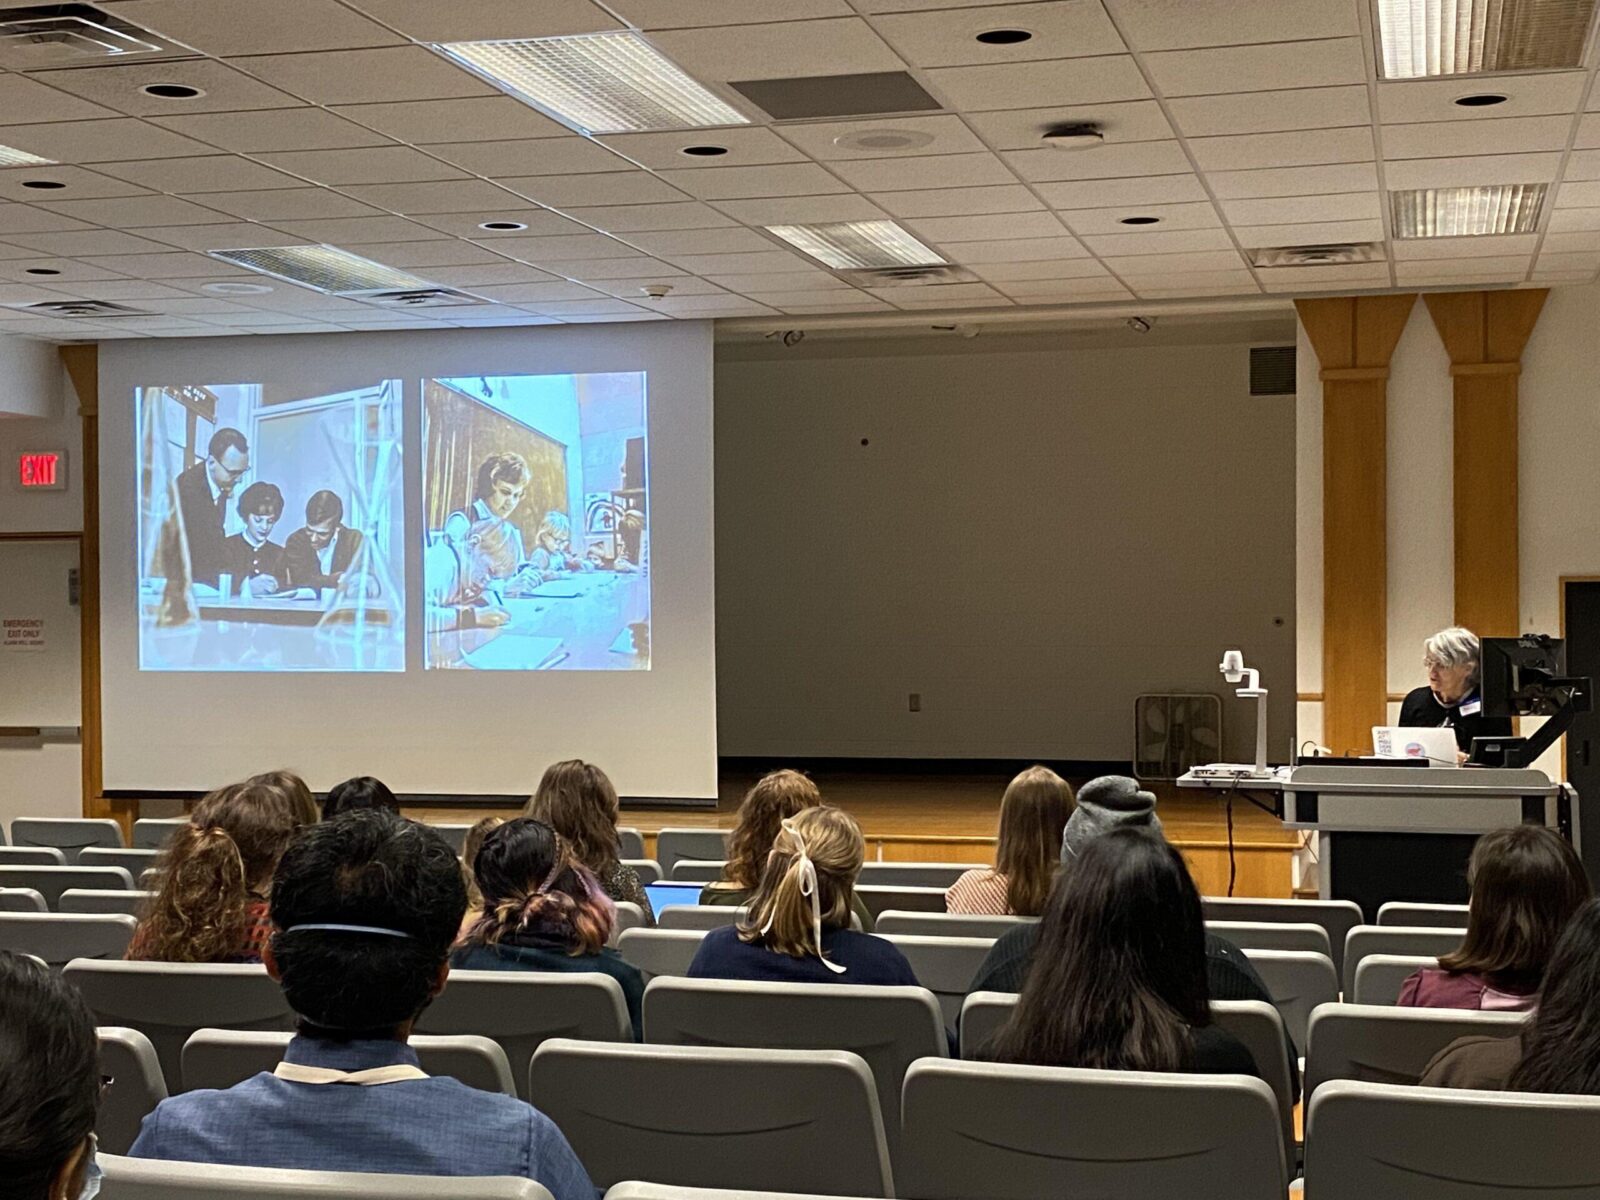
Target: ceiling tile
{"type": "Point", "coordinates": [24, 101]}
{"type": "Point", "coordinates": [1176, 264]}
{"type": "Point", "coordinates": [1179, 241]}
{"type": "Point", "coordinates": [1089, 221]}
{"type": "Point", "coordinates": [277, 129]}
{"type": "Point", "coordinates": [1441, 139]}
{"type": "Point", "coordinates": [1435, 99]}
{"type": "Point", "coordinates": [1578, 195]}
{"type": "Point", "coordinates": [933, 297]}
{"type": "Point", "coordinates": [612, 187]}
{"type": "Point", "coordinates": [568, 246]}
{"type": "Point", "coordinates": [1568, 241]}
{"type": "Point", "coordinates": [118, 87]}
{"type": "Point", "coordinates": [200, 175]}
{"type": "Point", "coordinates": [947, 37]}
{"type": "Point", "coordinates": [630, 218]}
{"type": "Point", "coordinates": [477, 119]}
{"type": "Point", "coordinates": [99, 141]}
{"type": "Point", "coordinates": [1013, 250]}
{"type": "Point", "coordinates": [1176, 24]}
{"type": "Point", "coordinates": [1258, 68]}
{"type": "Point", "coordinates": [1588, 137]}
{"type": "Point", "coordinates": [593, 270]}
{"type": "Point", "coordinates": [714, 266]}
{"type": "Point", "coordinates": [1582, 165]}
{"type": "Point", "coordinates": [1466, 267]}
{"type": "Point", "coordinates": [67, 270]}
{"type": "Point", "coordinates": [83, 243]}
{"type": "Point", "coordinates": [781, 50]}
{"type": "Point", "coordinates": [1038, 291]}
{"type": "Point", "coordinates": [118, 289]}
{"type": "Point", "coordinates": [528, 293]}
{"type": "Point", "coordinates": [708, 306]}
{"type": "Point", "coordinates": [948, 134]}
{"type": "Point", "coordinates": [129, 211]}
{"type": "Point", "coordinates": [1543, 276]}
{"type": "Point", "coordinates": [1243, 152]}
{"type": "Point", "coordinates": [280, 27]}
{"type": "Point", "coordinates": [1310, 234]}
{"type": "Point", "coordinates": [447, 252]}
{"type": "Point", "coordinates": [376, 164]}
{"type": "Point", "coordinates": [25, 218]}
{"type": "Point", "coordinates": [1048, 268]}
{"type": "Point", "coordinates": [1569, 262]}
{"type": "Point", "coordinates": [814, 279]}
{"type": "Point", "coordinates": [213, 237]}
{"type": "Point", "coordinates": [681, 14]}
{"type": "Point", "coordinates": [344, 231]}
{"type": "Point", "coordinates": [1272, 112]}
{"type": "Point", "coordinates": [854, 302]}
{"type": "Point", "coordinates": [416, 198]}
{"type": "Point", "coordinates": [1295, 181]}
{"type": "Point", "coordinates": [906, 174]}
{"type": "Point", "coordinates": [1198, 279]}
{"type": "Point", "coordinates": [568, 155]}
{"type": "Point", "coordinates": [568, 308]}
{"type": "Point", "coordinates": [669, 244]}
{"type": "Point", "coordinates": [988, 228]}
{"type": "Point", "coordinates": [952, 293]}
{"type": "Point", "coordinates": [1416, 249]}
{"type": "Point", "coordinates": [483, 20]}
{"type": "Point", "coordinates": [803, 210]}
{"type": "Point", "coordinates": [1040, 85]}
{"type": "Point", "coordinates": [287, 204]}
{"type": "Point", "coordinates": [847, 298]}
{"type": "Point", "coordinates": [1462, 172]}
{"type": "Point", "coordinates": [1107, 162]}
{"type": "Point", "coordinates": [171, 264]}
{"type": "Point", "coordinates": [78, 184]}
{"type": "Point", "coordinates": [363, 76]}
{"type": "Point", "coordinates": [1564, 220]}
{"type": "Point", "coordinates": [1250, 288]}
{"type": "Point", "coordinates": [539, 222]}
{"type": "Point", "coordinates": [681, 285]}
{"type": "Point", "coordinates": [1297, 210]}
{"type": "Point", "coordinates": [663, 151]}
{"type": "Point", "coordinates": [746, 183]}
{"type": "Point", "coordinates": [477, 274]}
{"type": "Point", "coordinates": [958, 202]}
{"type": "Point", "coordinates": [1019, 129]}
{"type": "Point", "coordinates": [1105, 193]}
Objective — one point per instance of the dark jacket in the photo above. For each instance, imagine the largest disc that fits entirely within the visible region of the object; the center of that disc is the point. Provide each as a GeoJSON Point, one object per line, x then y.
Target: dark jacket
{"type": "Point", "coordinates": [1477, 1062]}
{"type": "Point", "coordinates": [504, 957]}
{"type": "Point", "coordinates": [244, 561]}
{"type": "Point", "coordinates": [1420, 710]}
{"type": "Point", "coordinates": [305, 570]}
{"type": "Point", "coordinates": [202, 524]}
{"type": "Point", "coordinates": [866, 959]}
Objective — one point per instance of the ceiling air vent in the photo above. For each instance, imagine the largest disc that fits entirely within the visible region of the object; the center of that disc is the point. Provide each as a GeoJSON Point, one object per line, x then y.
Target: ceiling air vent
{"type": "Point", "coordinates": [72, 35]}
{"type": "Point", "coordinates": [810, 97]}
{"type": "Point", "coordinates": [912, 276]}
{"type": "Point", "coordinates": [1317, 256]}
{"type": "Point", "coordinates": [420, 298]}
{"type": "Point", "coordinates": [83, 308]}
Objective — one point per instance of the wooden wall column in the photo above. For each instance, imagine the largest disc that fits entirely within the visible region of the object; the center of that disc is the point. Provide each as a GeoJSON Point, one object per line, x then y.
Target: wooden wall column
{"type": "Point", "coordinates": [1484, 334]}
{"type": "Point", "coordinates": [1354, 337]}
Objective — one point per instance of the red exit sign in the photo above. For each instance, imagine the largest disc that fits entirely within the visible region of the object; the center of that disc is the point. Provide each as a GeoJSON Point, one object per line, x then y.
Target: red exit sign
{"type": "Point", "coordinates": [42, 470]}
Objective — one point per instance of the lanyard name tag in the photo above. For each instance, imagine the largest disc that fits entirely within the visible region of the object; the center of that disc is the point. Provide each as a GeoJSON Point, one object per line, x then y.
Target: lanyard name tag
{"type": "Point", "coordinates": [1471, 708]}
{"type": "Point", "coordinates": [372, 1077]}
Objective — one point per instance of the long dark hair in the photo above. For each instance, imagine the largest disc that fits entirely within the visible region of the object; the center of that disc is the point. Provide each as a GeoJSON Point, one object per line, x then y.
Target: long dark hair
{"type": "Point", "coordinates": [533, 886]}
{"type": "Point", "coordinates": [1526, 884]}
{"type": "Point", "coordinates": [1561, 1045]}
{"type": "Point", "coordinates": [1118, 978]}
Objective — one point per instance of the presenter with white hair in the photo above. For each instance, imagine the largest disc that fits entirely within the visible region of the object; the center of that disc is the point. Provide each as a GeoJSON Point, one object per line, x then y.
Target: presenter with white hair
{"type": "Point", "coordinates": [1452, 657]}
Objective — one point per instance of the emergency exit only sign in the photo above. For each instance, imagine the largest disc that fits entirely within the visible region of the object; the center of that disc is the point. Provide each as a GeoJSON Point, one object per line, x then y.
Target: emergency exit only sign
{"type": "Point", "coordinates": [42, 470]}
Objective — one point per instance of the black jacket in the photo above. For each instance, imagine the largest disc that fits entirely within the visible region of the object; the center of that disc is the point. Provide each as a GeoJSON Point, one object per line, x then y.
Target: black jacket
{"type": "Point", "coordinates": [1419, 710]}
{"type": "Point", "coordinates": [202, 525]}
{"type": "Point", "coordinates": [305, 570]}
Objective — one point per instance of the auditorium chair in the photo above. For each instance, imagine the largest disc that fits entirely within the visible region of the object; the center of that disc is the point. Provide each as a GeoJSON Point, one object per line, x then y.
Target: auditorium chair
{"type": "Point", "coordinates": [50, 882]}
{"type": "Point", "coordinates": [635, 1190]}
{"type": "Point", "coordinates": [136, 861]}
{"type": "Point", "coordinates": [647, 869]}
{"type": "Point", "coordinates": [1006, 1132]}
{"type": "Point", "coordinates": [21, 899]}
{"type": "Point", "coordinates": [91, 900]}
{"type": "Point", "coordinates": [521, 1009]}
{"type": "Point", "coordinates": [1297, 981]}
{"type": "Point", "coordinates": [1273, 935]}
{"type": "Point", "coordinates": [630, 843]}
{"type": "Point", "coordinates": [137, 1086]}
{"type": "Point", "coordinates": [1385, 1044]}
{"type": "Point", "coordinates": [629, 916]}
{"type": "Point", "coordinates": [31, 856]}
{"type": "Point", "coordinates": [696, 870]}
{"type": "Point", "coordinates": [1444, 916]}
{"type": "Point", "coordinates": [1371, 1141]}
{"type": "Point", "coordinates": [913, 874]}
{"type": "Point", "coordinates": [167, 1002]}
{"type": "Point", "coordinates": [456, 835]}
{"type": "Point", "coordinates": [660, 951]}
{"type": "Point", "coordinates": [699, 916]}
{"type": "Point", "coordinates": [67, 834]}
{"type": "Point", "coordinates": [945, 966]}
{"type": "Point", "coordinates": [889, 1027]}
{"type": "Point", "coordinates": [1415, 940]}
{"type": "Point", "coordinates": [702, 1116]}
{"type": "Point", "coordinates": [880, 899]}
{"type": "Point", "coordinates": [58, 938]}
{"type": "Point", "coordinates": [1379, 977]}
{"type": "Point", "coordinates": [220, 1058]}
{"type": "Point", "coordinates": [929, 924]}
{"type": "Point", "coordinates": [1338, 917]}
{"type": "Point", "coordinates": [702, 844]}
{"type": "Point", "coordinates": [146, 1179]}
{"type": "Point", "coordinates": [151, 833]}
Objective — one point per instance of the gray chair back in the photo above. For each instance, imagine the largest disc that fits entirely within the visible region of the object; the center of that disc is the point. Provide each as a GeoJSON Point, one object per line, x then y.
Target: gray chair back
{"type": "Point", "coordinates": [796, 1120]}
{"type": "Point", "coordinates": [699, 916]}
{"type": "Point", "coordinates": [151, 833]}
{"type": "Point", "coordinates": [983, 1014]}
{"type": "Point", "coordinates": [1385, 1044]}
{"type": "Point", "coordinates": [67, 834]}
{"type": "Point", "coordinates": [1259, 1027]}
{"type": "Point", "coordinates": [453, 833]}
{"type": "Point", "coordinates": [635, 1190]}
{"type": "Point", "coordinates": [127, 1056]}
{"type": "Point", "coordinates": [879, 899]}
{"type": "Point", "coordinates": [914, 874]}
{"type": "Point", "coordinates": [1297, 981]}
{"type": "Point", "coordinates": [1379, 977]}
{"type": "Point", "coordinates": [1366, 1140]}
{"type": "Point", "coordinates": [169, 1001]}
{"type": "Point", "coordinates": [945, 966]}
{"type": "Point", "coordinates": [93, 900]}
{"type": "Point", "coordinates": [630, 843]}
{"type": "Point", "coordinates": [220, 1058]}
{"type": "Point", "coordinates": [1273, 935]}
{"type": "Point", "coordinates": [19, 899]}
{"type": "Point", "coordinates": [889, 1027]}
{"type": "Point", "coordinates": [647, 869]}
{"type": "Point", "coordinates": [697, 870]}
{"type": "Point", "coordinates": [930, 924]}
{"type": "Point", "coordinates": [50, 882]}
{"type": "Point", "coordinates": [1416, 941]}
{"type": "Point", "coordinates": [702, 844]}
{"type": "Point", "coordinates": [1008, 1132]}
{"type": "Point", "coordinates": [660, 951]}
{"type": "Point", "coordinates": [134, 860]}
{"type": "Point", "coordinates": [1338, 917]}
{"type": "Point", "coordinates": [31, 856]}
{"type": "Point", "coordinates": [1445, 916]}
{"type": "Point", "coordinates": [521, 1009]}
{"type": "Point", "coordinates": [58, 938]}
{"type": "Point", "coordinates": [149, 1179]}
{"type": "Point", "coordinates": [629, 916]}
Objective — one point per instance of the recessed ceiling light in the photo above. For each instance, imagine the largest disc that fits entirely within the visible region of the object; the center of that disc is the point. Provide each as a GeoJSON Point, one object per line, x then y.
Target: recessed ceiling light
{"type": "Point", "coordinates": [43, 185]}
{"type": "Point", "coordinates": [40, 271]}
{"type": "Point", "coordinates": [1467, 211]}
{"type": "Point", "coordinates": [858, 245]}
{"type": "Point", "coordinates": [1420, 38]}
{"type": "Point", "coordinates": [322, 268]}
{"type": "Point", "coordinates": [704, 151]}
{"type": "Point", "coordinates": [234, 287]}
{"type": "Point", "coordinates": [1004, 37]}
{"type": "Point", "coordinates": [597, 82]}
{"type": "Point", "coordinates": [1140, 221]}
{"type": "Point", "coordinates": [502, 226]}
{"type": "Point", "coordinates": [1481, 100]}
{"type": "Point", "coordinates": [171, 91]}
{"type": "Point", "coordinates": [884, 139]}
{"type": "Point", "coordinates": [12, 157]}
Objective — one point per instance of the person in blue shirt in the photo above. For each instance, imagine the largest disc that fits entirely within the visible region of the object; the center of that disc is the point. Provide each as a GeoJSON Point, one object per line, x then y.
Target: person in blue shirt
{"type": "Point", "coordinates": [364, 909]}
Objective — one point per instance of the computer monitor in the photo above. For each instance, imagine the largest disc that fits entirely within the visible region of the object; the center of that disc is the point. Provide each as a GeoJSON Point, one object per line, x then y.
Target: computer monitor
{"type": "Point", "coordinates": [1521, 674]}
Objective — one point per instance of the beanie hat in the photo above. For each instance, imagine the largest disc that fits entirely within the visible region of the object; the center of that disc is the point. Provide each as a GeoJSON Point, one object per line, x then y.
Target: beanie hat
{"type": "Point", "coordinates": [1107, 803]}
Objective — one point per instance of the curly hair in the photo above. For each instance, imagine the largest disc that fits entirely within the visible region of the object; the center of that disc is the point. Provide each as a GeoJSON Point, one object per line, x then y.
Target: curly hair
{"type": "Point", "coordinates": [578, 801]}
{"type": "Point", "coordinates": [532, 884]}
{"type": "Point", "coordinates": [776, 795]}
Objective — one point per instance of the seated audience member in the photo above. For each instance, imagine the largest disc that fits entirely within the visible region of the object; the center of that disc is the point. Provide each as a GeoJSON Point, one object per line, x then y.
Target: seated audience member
{"type": "Point", "coordinates": [1526, 883]}
{"type": "Point", "coordinates": [49, 1086]}
{"type": "Point", "coordinates": [301, 798]}
{"type": "Point", "coordinates": [255, 562]}
{"type": "Point", "coordinates": [1559, 1047]}
{"type": "Point", "coordinates": [216, 876]}
{"type": "Point", "coordinates": [470, 847]}
{"type": "Point", "coordinates": [459, 576]}
{"type": "Point", "coordinates": [361, 792]}
{"type": "Point", "coordinates": [776, 795]}
{"type": "Point", "coordinates": [552, 548]}
{"type": "Point", "coordinates": [578, 801]}
{"type": "Point", "coordinates": [543, 911]}
{"type": "Point", "coordinates": [318, 554]}
{"type": "Point", "coordinates": [797, 929]}
{"type": "Point", "coordinates": [1119, 979]}
{"type": "Point", "coordinates": [1033, 814]}
{"type": "Point", "coordinates": [364, 911]}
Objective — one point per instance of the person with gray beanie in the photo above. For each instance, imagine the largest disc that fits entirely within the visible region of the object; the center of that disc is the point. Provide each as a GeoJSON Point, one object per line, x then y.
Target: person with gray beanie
{"type": "Point", "coordinates": [1107, 803]}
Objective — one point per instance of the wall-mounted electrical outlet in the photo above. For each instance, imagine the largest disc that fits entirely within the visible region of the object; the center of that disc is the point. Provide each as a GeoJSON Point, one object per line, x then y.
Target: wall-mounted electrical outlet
{"type": "Point", "coordinates": [914, 702]}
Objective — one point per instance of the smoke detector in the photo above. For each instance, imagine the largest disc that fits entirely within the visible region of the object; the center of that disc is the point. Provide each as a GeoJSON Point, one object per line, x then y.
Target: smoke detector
{"type": "Point", "coordinates": [1336, 254]}
{"type": "Point", "coordinates": [656, 291]}
{"type": "Point", "coordinates": [884, 139]}
{"type": "Point", "coordinates": [1082, 135]}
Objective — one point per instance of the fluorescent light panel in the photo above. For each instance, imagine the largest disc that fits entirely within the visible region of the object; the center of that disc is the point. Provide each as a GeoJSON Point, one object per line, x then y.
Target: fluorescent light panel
{"type": "Point", "coordinates": [1467, 211]}
{"type": "Point", "coordinates": [597, 82]}
{"type": "Point", "coordinates": [858, 245]}
{"type": "Point", "coordinates": [322, 268]}
{"type": "Point", "coordinates": [12, 157]}
{"type": "Point", "coordinates": [1420, 38]}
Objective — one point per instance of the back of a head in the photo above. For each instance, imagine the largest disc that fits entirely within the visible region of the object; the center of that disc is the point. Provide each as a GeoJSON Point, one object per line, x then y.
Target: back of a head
{"type": "Point", "coordinates": [1118, 977]}
{"type": "Point", "coordinates": [469, 856]}
{"type": "Point", "coordinates": [49, 1081]}
{"type": "Point", "coordinates": [1033, 813]}
{"type": "Point", "coordinates": [533, 887]}
{"type": "Point", "coordinates": [1526, 882]}
{"type": "Point", "coordinates": [361, 792]}
{"type": "Point", "coordinates": [399, 885]}
{"type": "Point", "coordinates": [1561, 1046]}
{"type": "Point", "coordinates": [301, 798]}
{"type": "Point", "coordinates": [776, 795]}
{"type": "Point", "coordinates": [830, 840]}
{"type": "Point", "coordinates": [578, 801]}
{"type": "Point", "coordinates": [1103, 805]}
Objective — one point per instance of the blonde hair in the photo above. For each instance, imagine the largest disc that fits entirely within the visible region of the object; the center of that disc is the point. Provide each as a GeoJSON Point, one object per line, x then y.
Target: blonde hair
{"type": "Point", "coordinates": [777, 795]}
{"type": "Point", "coordinates": [300, 796]}
{"type": "Point", "coordinates": [780, 913]}
{"type": "Point", "coordinates": [1033, 813]}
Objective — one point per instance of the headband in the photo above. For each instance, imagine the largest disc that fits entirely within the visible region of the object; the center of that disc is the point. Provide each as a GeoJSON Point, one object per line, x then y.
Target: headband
{"type": "Point", "coordinates": [394, 933]}
{"type": "Point", "coordinates": [808, 887]}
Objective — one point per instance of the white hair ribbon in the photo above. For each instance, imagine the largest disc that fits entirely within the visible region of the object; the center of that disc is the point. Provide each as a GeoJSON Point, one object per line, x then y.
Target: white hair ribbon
{"type": "Point", "coordinates": [808, 887]}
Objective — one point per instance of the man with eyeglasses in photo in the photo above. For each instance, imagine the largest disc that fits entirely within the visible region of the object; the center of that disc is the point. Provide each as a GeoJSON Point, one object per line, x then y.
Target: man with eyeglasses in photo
{"type": "Point", "coordinates": [203, 494]}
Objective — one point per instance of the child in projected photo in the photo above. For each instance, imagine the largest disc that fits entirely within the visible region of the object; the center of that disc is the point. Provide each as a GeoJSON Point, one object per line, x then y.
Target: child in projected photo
{"type": "Point", "coordinates": [501, 482]}
{"type": "Point", "coordinates": [552, 548]}
{"type": "Point", "coordinates": [461, 576]}
{"type": "Point", "coordinates": [255, 563]}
